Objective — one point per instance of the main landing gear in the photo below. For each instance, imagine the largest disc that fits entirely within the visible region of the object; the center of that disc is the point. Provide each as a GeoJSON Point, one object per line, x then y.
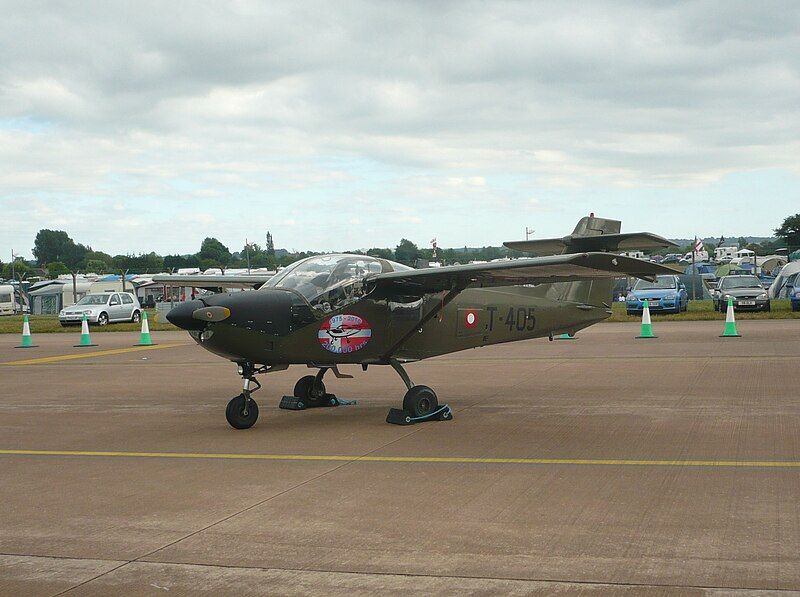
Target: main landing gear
{"type": "Point", "coordinates": [310, 391]}
{"type": "Point", "coordinates": [419, 404]}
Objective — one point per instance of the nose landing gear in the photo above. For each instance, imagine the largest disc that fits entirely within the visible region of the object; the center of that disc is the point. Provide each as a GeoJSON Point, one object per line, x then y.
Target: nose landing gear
{"type": "Point", "coordinates": [242, 410]}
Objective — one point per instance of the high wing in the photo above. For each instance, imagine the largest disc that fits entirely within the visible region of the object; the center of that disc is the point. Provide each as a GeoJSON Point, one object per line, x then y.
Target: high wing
{"type": "Point", "coordinates": [602, 242]}
{"type": "Point", "coordinates": [213, 281]}
{"type": "Point", "coordinates": [537, 270]}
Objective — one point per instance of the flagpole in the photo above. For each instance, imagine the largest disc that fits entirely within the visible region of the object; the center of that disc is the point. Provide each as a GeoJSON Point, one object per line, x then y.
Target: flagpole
{"type": "Point", "coordinates": [694, 270]}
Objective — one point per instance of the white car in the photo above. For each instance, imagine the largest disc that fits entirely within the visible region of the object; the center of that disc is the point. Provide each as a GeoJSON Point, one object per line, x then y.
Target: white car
{"type": "Point", "coordinates": [104, 308]}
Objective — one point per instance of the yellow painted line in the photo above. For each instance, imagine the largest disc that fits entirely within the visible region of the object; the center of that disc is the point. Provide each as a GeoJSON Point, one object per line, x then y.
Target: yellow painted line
{"type": "Point", "coordinates": [414, 459]}
{"type": "Point", "coordinates": [90, 354]}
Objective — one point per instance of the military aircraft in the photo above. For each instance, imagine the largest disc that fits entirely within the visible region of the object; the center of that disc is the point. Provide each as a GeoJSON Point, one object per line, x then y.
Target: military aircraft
{"type": "Point", "coordinates": [338, 309]}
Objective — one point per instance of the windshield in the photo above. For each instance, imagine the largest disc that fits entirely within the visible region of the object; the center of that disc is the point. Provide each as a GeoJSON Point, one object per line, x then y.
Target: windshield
{"type": "Point", "coordinates": [661, 283]}
{"type": "Point", "coordinates": [93, 299]}
{"type": "Point", "coordinates": [740, 282]}
{"type": "Point", "coordinates": [329, 282]}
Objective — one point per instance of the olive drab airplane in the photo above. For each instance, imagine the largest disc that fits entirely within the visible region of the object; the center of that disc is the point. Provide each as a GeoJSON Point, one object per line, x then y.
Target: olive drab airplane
{"type": "Point", "coordinates": [332, 310]}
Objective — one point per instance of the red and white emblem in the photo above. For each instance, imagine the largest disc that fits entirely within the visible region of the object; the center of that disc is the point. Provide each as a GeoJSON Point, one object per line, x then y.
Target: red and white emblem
{"type": "Point", "coordinates": [470, 318]}
{"type": "Point", "coordinates": [344, 333]}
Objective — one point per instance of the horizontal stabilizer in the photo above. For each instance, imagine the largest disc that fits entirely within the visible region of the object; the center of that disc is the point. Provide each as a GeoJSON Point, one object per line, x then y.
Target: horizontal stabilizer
{"type": "Point", "coordinates": [213, 281]}
{"type": "Point", "coordinates": [579, 244]}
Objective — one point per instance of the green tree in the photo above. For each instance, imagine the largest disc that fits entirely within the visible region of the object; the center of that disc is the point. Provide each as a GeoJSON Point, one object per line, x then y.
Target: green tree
{"type": "Point", "coordinates": [381, 253]}
{"type": "Point", "coordinates": [211, 250]}
{"type": "Point", "coordinates": [142, 263]}
{"type": "Point", "coordinates": [96, 266]}
{"type": "Point", "coordinates": [56, 269]}
{"type": "Point", "coordinates": [789, 231]}
{"type": "Point", "coordinates": [20, 268]}
{"type": "Point", "coordinates": [52, 245]}
{"type": "Point", "coordinates": [175, 262]}
{"type": "Point", "coordinates": [406, 252]}
{"type": "Point", "coordinates": [96, 256]}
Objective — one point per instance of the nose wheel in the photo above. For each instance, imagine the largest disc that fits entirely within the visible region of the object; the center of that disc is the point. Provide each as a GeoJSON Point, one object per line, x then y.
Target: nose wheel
{"type": "Point", "coordinates": [242, 412]}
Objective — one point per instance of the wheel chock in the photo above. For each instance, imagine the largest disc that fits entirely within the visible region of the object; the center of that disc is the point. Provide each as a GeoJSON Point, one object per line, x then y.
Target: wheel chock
{"type": "Point", "coordinates": [295, 403]}
{"type": "Point", "coordinates": [398, 416]}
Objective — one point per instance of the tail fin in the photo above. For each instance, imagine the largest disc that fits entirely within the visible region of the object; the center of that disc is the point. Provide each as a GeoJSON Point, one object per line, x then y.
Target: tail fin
{"type": "Point", "coordinates": [590, 234]}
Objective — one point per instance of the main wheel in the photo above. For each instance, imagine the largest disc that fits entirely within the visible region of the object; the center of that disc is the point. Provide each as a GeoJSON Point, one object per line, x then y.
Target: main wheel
{"type": "Point", "coordinates": [136, 318]}
{"type": "Point", "coordinates": [236, 415]}
{"type": "Point", "coordinates": [102, 319]}
{"type": "Point", "coordinates": [304, 388]}
{"type": "Point", "coordinates": [420, 401]}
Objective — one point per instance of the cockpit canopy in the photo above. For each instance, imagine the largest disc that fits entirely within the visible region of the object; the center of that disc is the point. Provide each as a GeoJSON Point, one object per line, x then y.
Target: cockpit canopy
{"type": "Point", "coordinates": [330, 282]}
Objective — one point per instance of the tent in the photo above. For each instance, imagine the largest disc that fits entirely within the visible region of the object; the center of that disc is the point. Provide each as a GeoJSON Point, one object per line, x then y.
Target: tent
{"type": "Point", "coordinates": [730, 269]}
{"type": "Point", "coordinates": [787, 276]}
{"type": "Point", "coordinates": [48, 297]}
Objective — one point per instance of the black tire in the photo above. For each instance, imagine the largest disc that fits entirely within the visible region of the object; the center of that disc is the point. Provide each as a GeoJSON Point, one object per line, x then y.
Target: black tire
{"type": "Point", "coordinates": [768, 308]}
{"type": "Point", "coordinates": [304, 389]}
{"type": "Point", "coordinates": [420, 401]}
{"type": "Point", "coordinates": [102, 319]}
{"type": "Point", "coordinates": [235, 413]}
{"type": "Point", "coordinates": [136, 317]}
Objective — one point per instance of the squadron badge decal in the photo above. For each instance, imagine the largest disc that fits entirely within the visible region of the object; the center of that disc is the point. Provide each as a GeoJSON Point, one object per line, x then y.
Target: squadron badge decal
{"type": "Point", "coordinates": [344, 333]}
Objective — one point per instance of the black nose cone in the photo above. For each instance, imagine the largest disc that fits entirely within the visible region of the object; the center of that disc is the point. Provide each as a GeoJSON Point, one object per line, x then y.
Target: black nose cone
{"type": "Point", "coordinates": [181, 316]}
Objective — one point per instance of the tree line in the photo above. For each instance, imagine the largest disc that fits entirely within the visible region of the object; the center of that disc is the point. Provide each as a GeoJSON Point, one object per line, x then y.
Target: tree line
{"type": "Point", "coordinates": [56, 254]}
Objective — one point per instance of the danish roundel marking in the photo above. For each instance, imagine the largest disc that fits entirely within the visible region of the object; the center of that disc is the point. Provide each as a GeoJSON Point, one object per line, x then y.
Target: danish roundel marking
{"type": "Point", "coordinates": [344, 333]}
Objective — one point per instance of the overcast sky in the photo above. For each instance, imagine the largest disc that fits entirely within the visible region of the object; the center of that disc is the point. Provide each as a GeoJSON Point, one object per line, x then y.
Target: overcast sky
{"type": "Point", "coordinates": [338, 125]}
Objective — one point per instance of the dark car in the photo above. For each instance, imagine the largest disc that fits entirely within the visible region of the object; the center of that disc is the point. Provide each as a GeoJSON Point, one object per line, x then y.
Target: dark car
{"type": "Point", "coordinates": [746, 292]}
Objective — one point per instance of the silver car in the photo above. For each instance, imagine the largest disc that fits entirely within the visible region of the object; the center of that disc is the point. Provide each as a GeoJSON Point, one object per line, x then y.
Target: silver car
{"type": "Point", "coordinates": [104, 308]}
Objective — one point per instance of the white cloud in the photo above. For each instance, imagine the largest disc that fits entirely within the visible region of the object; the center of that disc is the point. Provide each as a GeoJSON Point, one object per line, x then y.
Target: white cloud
{"type": "Point", "coordinates": [304, 107]}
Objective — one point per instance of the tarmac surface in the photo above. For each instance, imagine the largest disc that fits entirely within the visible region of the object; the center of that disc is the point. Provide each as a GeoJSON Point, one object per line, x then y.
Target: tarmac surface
{"type": "Point", "coordinates": [599, 465]}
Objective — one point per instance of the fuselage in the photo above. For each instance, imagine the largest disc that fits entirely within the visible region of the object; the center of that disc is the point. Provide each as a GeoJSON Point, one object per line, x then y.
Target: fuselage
{"type": "Point", "coordinates": [373, 330]}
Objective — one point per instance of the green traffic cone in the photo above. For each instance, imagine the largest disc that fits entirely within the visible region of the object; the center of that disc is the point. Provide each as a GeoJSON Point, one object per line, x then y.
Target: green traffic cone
{"type": "Point", "coordinates": [565, 336]}
{"type": "Point", "coordinates": [144, 338]}
{"type": "Point", "coordinates": [86, 340]}
{"type": "Point", "coordinates": [647, 326]}
{"type": "Point", "coordinates": [730, 323]}
{"type": "Point", "coordinates": [27, 339]}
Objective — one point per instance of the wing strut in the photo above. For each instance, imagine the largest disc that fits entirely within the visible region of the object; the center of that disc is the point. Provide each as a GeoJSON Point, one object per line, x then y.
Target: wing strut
{"type": "Point", "coordinates": [451, 294]}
